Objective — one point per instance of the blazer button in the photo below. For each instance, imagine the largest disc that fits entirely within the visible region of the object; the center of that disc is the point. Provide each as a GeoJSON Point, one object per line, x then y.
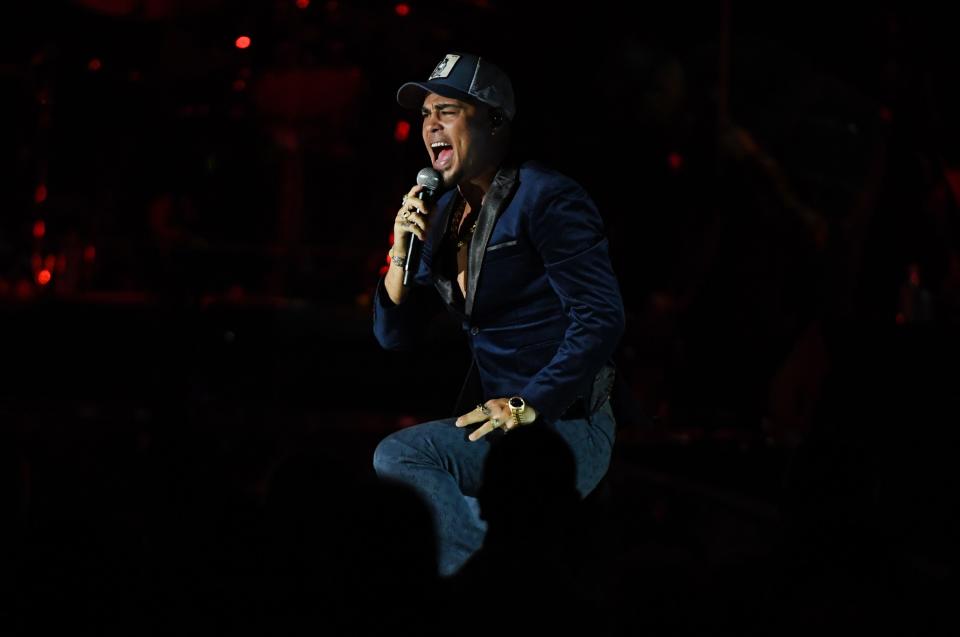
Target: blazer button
{"type": "Point", "coordinates": [474, 330]}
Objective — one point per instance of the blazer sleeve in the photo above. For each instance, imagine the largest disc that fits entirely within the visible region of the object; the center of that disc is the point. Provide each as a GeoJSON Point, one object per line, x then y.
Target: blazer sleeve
{"type": "Point", "coordinates": [568, 233]}
{"type": "Point", "coordinates": [401, 327]}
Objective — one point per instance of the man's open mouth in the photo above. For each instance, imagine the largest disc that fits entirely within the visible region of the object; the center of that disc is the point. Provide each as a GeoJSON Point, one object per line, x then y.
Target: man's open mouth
{"type": "Point", "coordinates": [441, 150]}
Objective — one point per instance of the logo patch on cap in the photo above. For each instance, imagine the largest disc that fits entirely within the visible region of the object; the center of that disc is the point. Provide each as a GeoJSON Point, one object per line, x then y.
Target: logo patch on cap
{"type": "Point", "coordinates": [443, 69]}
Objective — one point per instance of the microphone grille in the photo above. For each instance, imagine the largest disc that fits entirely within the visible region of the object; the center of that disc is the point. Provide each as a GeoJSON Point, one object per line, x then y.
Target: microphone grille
{"type": "Point", "coordinates": [430, 179]}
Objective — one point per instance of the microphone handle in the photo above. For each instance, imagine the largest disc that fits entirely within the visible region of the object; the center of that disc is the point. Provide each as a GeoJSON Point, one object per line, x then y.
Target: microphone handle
{"type": "Point", "coordinates": [413, 248]}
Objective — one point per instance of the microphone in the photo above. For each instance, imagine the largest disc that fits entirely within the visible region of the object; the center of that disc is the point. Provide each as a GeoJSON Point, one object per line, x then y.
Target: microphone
{"type": "Point", "coordinates": [432, 181]}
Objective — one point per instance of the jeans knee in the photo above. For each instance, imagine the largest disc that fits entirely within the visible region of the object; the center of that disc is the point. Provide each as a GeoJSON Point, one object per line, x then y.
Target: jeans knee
{"type": "Point", "coordinates": [386, 457]}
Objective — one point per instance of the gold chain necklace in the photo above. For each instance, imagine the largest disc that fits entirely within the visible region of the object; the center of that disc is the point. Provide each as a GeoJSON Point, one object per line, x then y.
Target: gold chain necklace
{"type": "Point", "coordinates": [462, 239]}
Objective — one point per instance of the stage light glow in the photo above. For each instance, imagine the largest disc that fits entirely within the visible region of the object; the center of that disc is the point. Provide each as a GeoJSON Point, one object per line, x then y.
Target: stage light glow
{"type": "Point", "coordinates": [43, 277]}
{"type": "Point", "coordinates": [40, 194]}
{"type": "Point", "coordinates": [675, 161]}
{"type": "Point", "coordinates": [402, 131]}
{"type": "Point", "coordinates": [39, 228]}
{"type": "Point", "coordinates": [243, 42]}
{"type": "Point", "coordinates": [94, 64]}
{"type": "Point", "coordinates": [402, 9]}
{"type": "Point", "coordinates": [89, 254]}
{"type": "Point", "coordinates": [303, 4]}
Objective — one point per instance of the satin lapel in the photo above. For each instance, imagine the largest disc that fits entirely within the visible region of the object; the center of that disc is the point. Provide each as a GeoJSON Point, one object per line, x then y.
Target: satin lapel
{"type": "Point", "coordinates": [494, 204]}
{"type": "Point", "coordinates": [442, 283]}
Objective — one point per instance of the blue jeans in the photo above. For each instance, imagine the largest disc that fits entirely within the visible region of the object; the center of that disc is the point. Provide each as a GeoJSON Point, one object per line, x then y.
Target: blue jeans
{"type": "Point", "coordinates": [437, 460]}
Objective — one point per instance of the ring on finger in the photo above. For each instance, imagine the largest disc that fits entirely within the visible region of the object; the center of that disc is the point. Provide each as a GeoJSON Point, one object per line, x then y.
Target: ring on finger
{"type": "Point", "coordinates": [495, 422]}
{"type": "Point", "coordinates": [484, 410]}
{"type": "Point", "coordinates": [406, 214]}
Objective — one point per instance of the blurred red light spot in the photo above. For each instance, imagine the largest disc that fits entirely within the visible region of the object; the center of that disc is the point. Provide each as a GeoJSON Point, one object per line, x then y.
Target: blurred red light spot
{"type": "Point", "coordinates": [89, 253]}
{"type": "Point", "coordinates": [94, 64]}
{"type": "Point", "coordinates": [43, 277]}
{"type": "Point", "coordinates": [901, 319]}
{"type": "Point", "coordinates": [384, 269]}
{"type": "Point", "coordinates": [242, 42]}
{"type": "Point", "coordinates": [39, 228]}
{"type": "Point", "coordinates": [402, 9]}
{"type": "Point", "coordinates": [886, 114]}
{"type": "Point", "coordinates": [40, 194]}
{"type": "Point", "coordinates": [239, 85]}
{"type": "Point", "coordinates": [303, 4]}
{"type": "Point", "coordinates": [675, 161]}
{"type": "Point", "coordinates": [402, 131]}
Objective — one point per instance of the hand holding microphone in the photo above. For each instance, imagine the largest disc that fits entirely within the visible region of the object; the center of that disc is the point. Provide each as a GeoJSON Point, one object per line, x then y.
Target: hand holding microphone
{"type": "Point", "coordinates": [412, 222]}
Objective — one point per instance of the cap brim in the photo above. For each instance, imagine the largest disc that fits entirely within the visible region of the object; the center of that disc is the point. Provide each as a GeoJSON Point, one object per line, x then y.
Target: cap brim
{"type": "Point", "coordinates": [411, 94]}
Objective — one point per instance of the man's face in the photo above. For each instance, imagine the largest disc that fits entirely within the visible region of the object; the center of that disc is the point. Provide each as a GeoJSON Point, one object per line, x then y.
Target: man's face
{"type": "Point", "coordinates": [457, 136]}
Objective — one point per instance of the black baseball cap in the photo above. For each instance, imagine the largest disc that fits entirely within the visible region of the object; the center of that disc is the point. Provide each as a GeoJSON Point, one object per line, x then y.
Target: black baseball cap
{"type": "Point", "coordinates": [463, 76]}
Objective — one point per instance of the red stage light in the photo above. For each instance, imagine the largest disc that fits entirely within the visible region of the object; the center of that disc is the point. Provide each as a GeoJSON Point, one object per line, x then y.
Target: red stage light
{"type": "Point", "coordinates": [384, 269]}
{"type": "Point", "coordinates": [89, 254]}
{"type": "Point", "coordinates": [402, 9]}
{"type": "Point", "coordinates": [675, 161]}
{"type": "Point", "coordinates": [303, 4]}
{"type": "Point", "coordinates": [242, 42]}
{"type": "Point", "coordinates": [94, 64]}
{"type": "Point", "coordinates": [402, 131]}
{"type": "Point", "coordinates": [40, 194]}
{"type": "Point", "coordinates": [43, 277]}
{"type": "Point", "coordinates": [39, 228]}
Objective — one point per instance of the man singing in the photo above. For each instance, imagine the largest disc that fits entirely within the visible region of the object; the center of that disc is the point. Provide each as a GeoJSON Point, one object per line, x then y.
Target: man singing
{"type": "Point", "coordinates": [518, 254]}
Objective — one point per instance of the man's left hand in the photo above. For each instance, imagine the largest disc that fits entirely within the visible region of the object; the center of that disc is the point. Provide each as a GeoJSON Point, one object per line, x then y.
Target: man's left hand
{"type": "Point", "coordinates": [494, 414]}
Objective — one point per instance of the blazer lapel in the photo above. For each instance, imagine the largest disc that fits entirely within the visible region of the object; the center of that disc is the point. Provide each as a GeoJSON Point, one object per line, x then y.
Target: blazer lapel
{"type": "Point", "coordinates": [497, 199]}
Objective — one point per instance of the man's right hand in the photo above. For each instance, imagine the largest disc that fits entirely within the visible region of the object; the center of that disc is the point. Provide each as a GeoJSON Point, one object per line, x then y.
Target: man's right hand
{"type": "Point", "coordinates": [412, 218]}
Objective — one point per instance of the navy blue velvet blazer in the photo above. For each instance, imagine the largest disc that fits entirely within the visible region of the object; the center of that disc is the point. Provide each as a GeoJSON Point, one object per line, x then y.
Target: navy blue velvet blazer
{"type": "Point", "coordinates": [543, 311]}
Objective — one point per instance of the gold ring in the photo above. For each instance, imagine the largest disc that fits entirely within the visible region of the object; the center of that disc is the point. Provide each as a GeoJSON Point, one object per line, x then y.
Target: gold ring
{"type": "Point", "coordinates": [495, 422]}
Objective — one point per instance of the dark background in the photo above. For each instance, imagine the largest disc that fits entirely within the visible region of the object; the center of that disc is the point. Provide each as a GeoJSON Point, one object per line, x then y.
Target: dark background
{"type": "Point", "coordinates": [191, 232]}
